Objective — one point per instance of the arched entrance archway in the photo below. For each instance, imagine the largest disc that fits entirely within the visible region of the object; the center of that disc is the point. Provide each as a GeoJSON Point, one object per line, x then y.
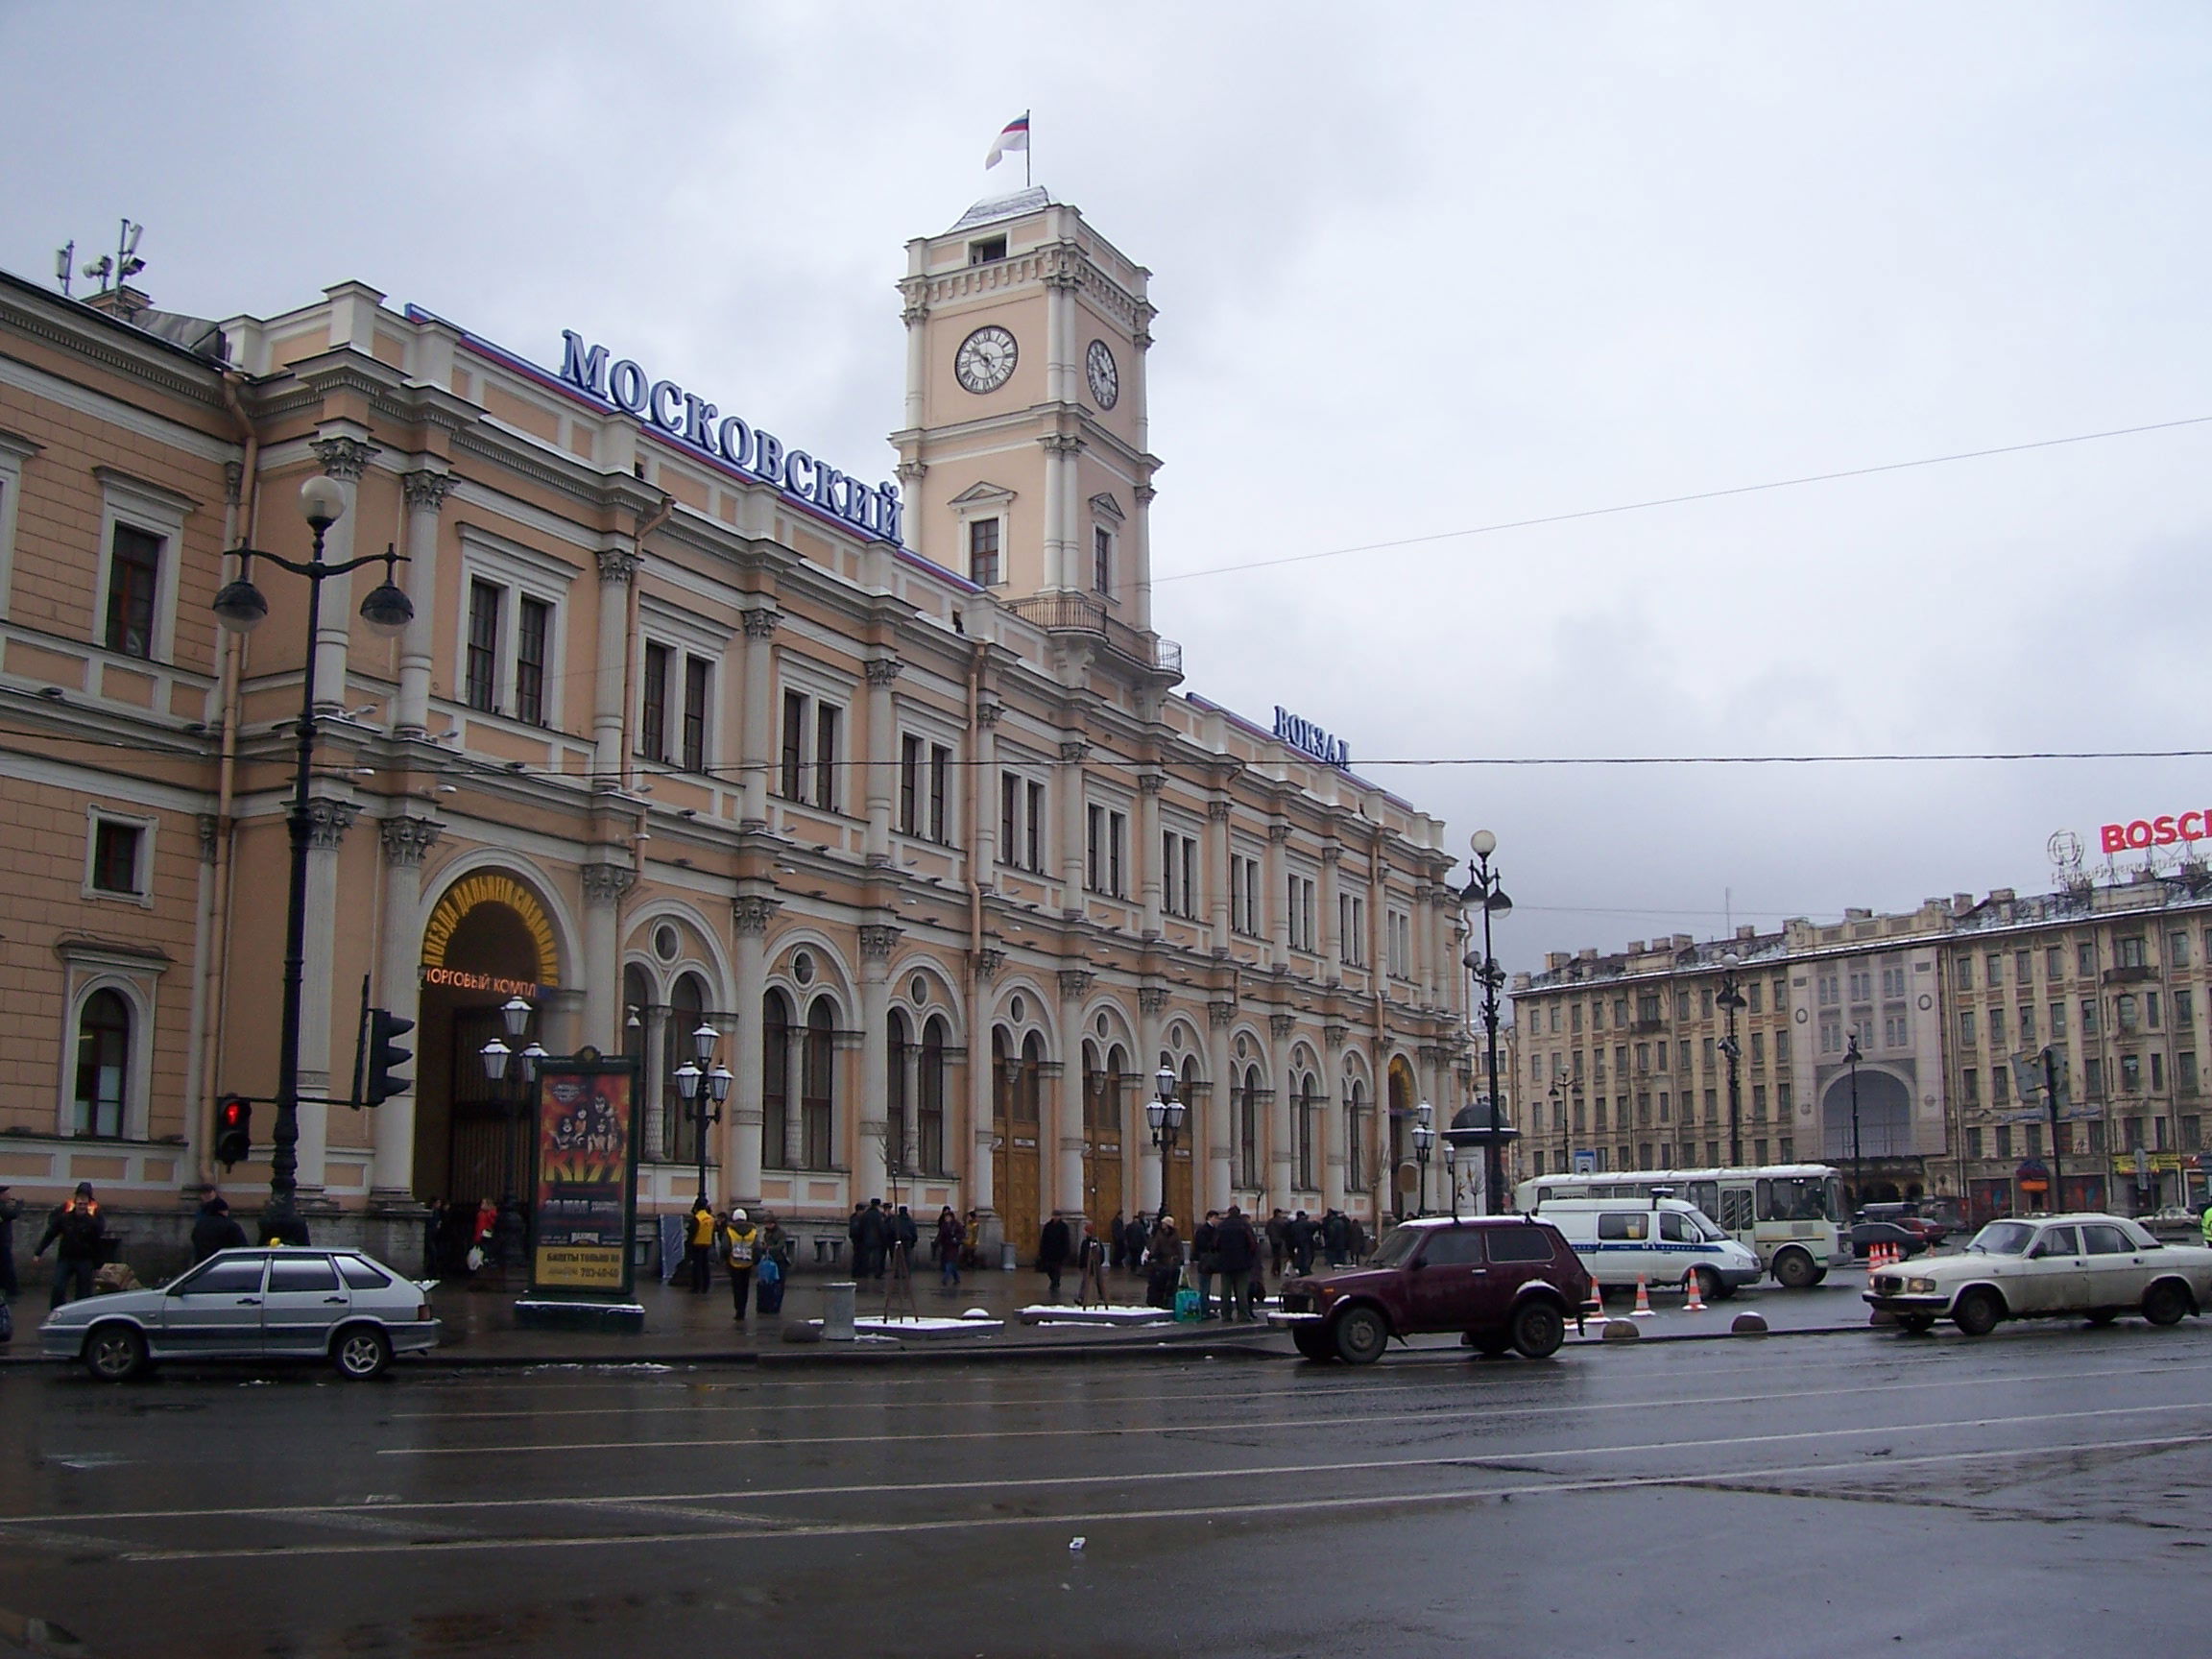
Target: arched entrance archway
{"type": "Point", "coordinates": [1885, 1128]}
{"type": "Point", "coordinates": [489, 939]}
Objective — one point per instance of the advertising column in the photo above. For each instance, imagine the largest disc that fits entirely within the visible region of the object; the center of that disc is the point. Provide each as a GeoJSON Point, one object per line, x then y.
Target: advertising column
{"type": "Point", "coordinates": [585, 1151]}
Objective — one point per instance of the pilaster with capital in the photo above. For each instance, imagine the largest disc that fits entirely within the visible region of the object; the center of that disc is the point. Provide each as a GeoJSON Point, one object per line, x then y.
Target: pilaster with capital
{"type": "Point", "coordinates": [617, 567]}
{"type": "Point", "coordinates": [1282, 1149]}
{"type": "Point", "coordinates": [1217, 812]}
{"type": "Point", "coordinates": [1068, 786]}
{"type": "Point", "coordinates": [1149, 854]}
{"type": "Point", "coordinates": [750, 917]}
{"type": "Point", "coordinates": [425, 491]}
{"type": "Point", "coordinates": [404, 840]}
{"type": "Point", "coordinates": [327, 821]}
{"type": "Point", "coordinates": [882, 774]}
{"type": "Point", "coordinates": [343, 459]}
{"type": "Point", "coordinates": [1067, 1127]}
{"type": "Point", "coordinates": [1152, 1006]}
{"type": "Point", "coordinates": [603, 886]}
{"type": "Point", "coordinates": [1220, 1123]}
{"type": "Point", "coordinates": [870, 1169]}
{"type": "Point", "coordinates": [757, 741]}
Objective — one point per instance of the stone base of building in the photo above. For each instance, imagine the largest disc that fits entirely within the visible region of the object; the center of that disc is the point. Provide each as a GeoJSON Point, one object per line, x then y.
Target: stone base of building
{"type": "Point", "coordinates": [621, 1318]}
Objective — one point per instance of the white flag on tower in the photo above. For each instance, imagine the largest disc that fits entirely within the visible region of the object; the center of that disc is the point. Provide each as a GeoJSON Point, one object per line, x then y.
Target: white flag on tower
{"type": "Point", "coordinates": [1015, 136]}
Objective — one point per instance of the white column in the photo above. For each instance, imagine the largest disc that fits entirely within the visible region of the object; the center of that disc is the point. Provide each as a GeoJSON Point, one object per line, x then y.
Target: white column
{"type": "Point", "coordinates": [1068, 1096]}
{"type": "Point", "coordinates": [1220, 1127]}
{"type": "Point", "coordinates": [869, 1171]}
{"type": "Point", "coordinates": [882, 753]}
{"type": "Point", "coordinates": [327, 822]}
{"type": "Point", "coordinates": [982, 1196]}
{"type": "Point", "coordinates": [425, 492]}
{"type": "Point", "coordinates": [1280, 1148]}
{"type": "Point", "coordinates": [750, 914]}
{"type": "Point", "coordinates": [795, 1092]}
{"type": "Point", "coordinates": [758, 731]}
{"type": "Point", "coordinates": [1062, 488]}
{"type": "Point", "coordinates": [603, 886]}
{"type": "Point", "coordinates": [911, 1131]}
{"type": "Point", "coordinates": [617, 569]}
{"type": "Point", "coordinates": [1217, 873]}
{"type": "Point", "coordinates": [1332, 943]}
{"type": "Point", "coordinates": [1073, 822]}
{"type": "Point", "coordinates": [983, 833]}
{"type": "Point", "coordinates": [344, 460]}
{"type": "Point", "coordinates": [399, 989]}
{"type": "Point", "coordinates": [1276, 881]}
{"type": "Point", "coordinates": [1335, 1124]}
{"type": "Point", "coordinates": [1147, 854]}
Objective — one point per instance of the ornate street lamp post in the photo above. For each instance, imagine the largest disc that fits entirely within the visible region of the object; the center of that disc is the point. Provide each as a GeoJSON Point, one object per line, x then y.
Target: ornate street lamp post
{"type": "Point", "coordinates": [1483, 893]}
{"type": "Point", "coordinates": [240, 607]}
{"type": "Point", "coordinates": [1164, 1114]}
{"type": "Point", "coordinates": [1424, 1138]}
{"type": "Point", "coordinates": [1858, 1163]}
{"type": "Point", "coordinates": [1731, 998]}
{"type": "Point", "coordinates": [1559, 1120]}
{"type": "Point", "coordinates": [499, 1056]}
{"type": "Point", "coordinates": [703, 1091]}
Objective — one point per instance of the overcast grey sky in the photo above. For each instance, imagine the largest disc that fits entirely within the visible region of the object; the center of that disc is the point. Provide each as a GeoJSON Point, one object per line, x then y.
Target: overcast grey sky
{"type": "Point", "coordinates": [1419, 270]}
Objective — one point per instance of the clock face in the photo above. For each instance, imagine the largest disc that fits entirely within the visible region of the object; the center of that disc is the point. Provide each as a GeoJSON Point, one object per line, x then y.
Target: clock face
{"type": "Point", "coordinates": [1105, 378]}
{"type": "Point", "coordinates": [986, 358]}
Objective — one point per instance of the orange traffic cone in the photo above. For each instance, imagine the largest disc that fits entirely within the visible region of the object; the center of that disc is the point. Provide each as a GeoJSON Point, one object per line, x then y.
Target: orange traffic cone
{"type": "Point", "coordinates": [1691, 1301]}
{"type": "Point", "coordinates": [1642, 1307]}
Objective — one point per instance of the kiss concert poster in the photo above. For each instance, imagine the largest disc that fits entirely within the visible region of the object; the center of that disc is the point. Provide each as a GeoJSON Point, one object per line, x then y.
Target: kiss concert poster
{"type": "Point", "coordinates": [587, 1159]}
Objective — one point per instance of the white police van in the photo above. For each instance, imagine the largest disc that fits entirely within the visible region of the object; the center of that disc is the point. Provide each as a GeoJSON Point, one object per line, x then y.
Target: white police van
{"type": "Point", "coordinates": [1662, 1240]}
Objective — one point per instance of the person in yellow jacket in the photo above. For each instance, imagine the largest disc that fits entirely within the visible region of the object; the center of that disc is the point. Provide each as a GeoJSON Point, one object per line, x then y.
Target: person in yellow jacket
{"type": "Point", "coordinates": [741, 1250]}
{"type": "Point", "coordinates": [2204, 1224]}
{"type": "Point", "coordinates": [699, 1241]}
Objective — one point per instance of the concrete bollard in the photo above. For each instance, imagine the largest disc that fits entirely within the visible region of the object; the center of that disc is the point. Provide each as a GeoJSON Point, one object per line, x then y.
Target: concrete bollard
{"type": "Point", "coordinates": [837, 1298]}
{"type": "Point", "coordinates": [1748, 1324]}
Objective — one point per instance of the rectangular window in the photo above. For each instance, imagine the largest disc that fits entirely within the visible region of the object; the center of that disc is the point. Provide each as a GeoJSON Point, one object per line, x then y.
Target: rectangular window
{"type": "Point", "coordinates": [1352, 936]}
{"type": "Point", "coordinates": [1009, 817]}
{"type": "Point", "coordinates": [2024, 966]}
{"type": "Point", "coordinates": [983, 552]}
{"type": "Point", "coordinates": [1033, 827]}
{"type": "Point", "coordinates": [483, 666]}
{"type": "Point", "coordinates": [1967, 1027]}
{"type": "Point", "coordinates": [2176, 949]}
{"type": "Point", "coordinates": [1298, 895]}
{"type": "Point", "coordinates": [1094, 848]}
{"type": "Point", "coordinates": [940, 792]}
{"type": "Point", "coordinates": [2003, 1140]}
{"type": "Point", "coordinates": [1970, 1086]}
{"type": "Point", "coordinates": [1243, 893]}
{"type": "Point", "coordinates": [1755, 994]}
{"type": "Point", "coordinates": [2035, 1139]}
{"type": "Point", "coordinates": [2085, 959]}
{"type": "Point", "coordinates": [2131, 953]}
{"type": "Point", "coordinates": [1108, 835]}
{"type": "Point", "coordinates": [1965, 973]}
{"type": "Point", "coordinates": [2097, 1137]}
{"type": "Point", "coordinates": [1178, 873]}
{"type": "Point", "coordinates": [1102, 558]}
{"type": "Point", "coordinates": [2093, 1077]}
{"type": "Point", "coordinates": [653, 721]}
{"type": "Point", "coordinates": [909, 784]}
{"type": "Point", "coordinates": [2184, 1008]}
{"type": "Point", "coordinates": [794, 767]}
{"type": "Point", "coordinates": [115, 849]}
{"type": "Point", "coordinates": [1997, 1028]}
{"type": "Point", "coordinates": [2027, 1013]}
{"type": "Point", "coordinates": [1995, 968]}
{"type": "Point", "coordinates": [1782, 1098]}
{"type": "Point", "coordinates": [2088, 1016]}
{"type": "Point", "coordinates": [2132, 1073]}
{"type": "Point", "coordinates": [2185, 1071]}
{"type": "Point", "coordinates": [2055, 962]}
{"type": "Point", "coordinates": [1973, 1140]}
{"type": "Point", "coordinates": [2157, 1072]}
{"type": "Point", "coordinates": [133, 585]}
{"type": "Point", "coordinates": [825, 719]}
{"type": "Point", "coordinates": [1758, 1103]}
{"type": "Point", "coordinates": [2000, 1086]}
{"type": "Point", "coordinates": [534, 623]}
{"type": "Point", "coordinates": [2057, 1022]}
{"type": "Point", "coordinates": [697, 671]}
{"type": "Point", "coordinates": [2151, 1009]}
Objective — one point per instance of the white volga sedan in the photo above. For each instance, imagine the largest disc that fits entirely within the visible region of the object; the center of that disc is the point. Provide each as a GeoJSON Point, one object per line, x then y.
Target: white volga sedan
{"type": "Point", "coordinates": [2082, 1266]}
{"type": "Point", "coordinates": [273, 1304]}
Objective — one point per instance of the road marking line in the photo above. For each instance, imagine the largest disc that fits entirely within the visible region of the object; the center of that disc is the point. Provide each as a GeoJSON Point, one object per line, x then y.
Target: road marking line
{"type": "Point", "coordinates": [1302, 1505]}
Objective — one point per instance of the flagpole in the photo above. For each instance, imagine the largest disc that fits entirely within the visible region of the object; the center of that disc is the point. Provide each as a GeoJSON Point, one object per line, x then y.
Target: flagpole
{"type": "Point", "coordinates": [1030, 133]}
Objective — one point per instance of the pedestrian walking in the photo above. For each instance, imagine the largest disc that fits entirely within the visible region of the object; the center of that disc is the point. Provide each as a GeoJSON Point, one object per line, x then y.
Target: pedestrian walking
{"type": "Point", "coordinates": [434, 1224]}
{"type": "Point", "coordinates": [79, 1231]}
{"type": "Point", "coordinates": [1203, 1260]}
{"type": "Point", "coordinates": [1053, 1247]}
{"type": "Point", "coordinates": [480, 1234]}
{"type": "Point", "coordinates": [1118, 1242]}
{"type": "Point", "coordinates": [873, 1246]}
{"type": "Point", "coordinates": [699, 1244]}
{"type": "Point", "coordinates": [214, 1228]}
{"type": "Point", "coordinates": [972, 1230]}
{"type": "Point", "coordinates": [952, 1239]}
{"type": "Point", "coordinates": [1090, 1266]}
{"type": "Point", "coordinates": [740, 1254]}
{"type": "Point", "coordinates": [11, 1212]}
{"type": "Point", "coordinates": [1236, 1248]}
{"type": "Point", "coordinates": [1277, 1240]}
{"type": "Point", "coordinates": [905, 1236]}
{"type": "Point", "coordinates": [1335, 1237]}
{"type": "Point", "coordinates": [1301, 1234]}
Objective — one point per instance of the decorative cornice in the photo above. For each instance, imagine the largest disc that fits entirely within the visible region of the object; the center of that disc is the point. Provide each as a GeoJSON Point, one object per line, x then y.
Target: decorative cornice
{"type": "Point", "coordinates": [406, 839]}
{"type": "Point", "coordinates": [606, 883]}
{"type": "Point", "coordinates": [1061, 443]}
{"type": "Point", "coordinates": [427, 489]}
{"type": "Point", "coordinates": [327, 822]}
{"type": "Point", "coordinates": [878, 941]}
{"type": "Point", "coordinates": [344, 459]}
{"type": "Point", "coordinates": [750, 913]}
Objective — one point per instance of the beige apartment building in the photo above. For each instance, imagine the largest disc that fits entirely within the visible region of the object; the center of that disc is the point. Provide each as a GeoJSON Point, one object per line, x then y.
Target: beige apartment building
{"type": "Point", "coordinates": [1947, 1004]}
{"type": "Point", "coordinates": [890, 783]}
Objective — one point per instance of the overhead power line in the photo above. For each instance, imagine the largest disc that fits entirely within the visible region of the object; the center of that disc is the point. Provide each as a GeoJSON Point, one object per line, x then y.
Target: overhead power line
{"type": "Point", "coordinates": [1681, 500]}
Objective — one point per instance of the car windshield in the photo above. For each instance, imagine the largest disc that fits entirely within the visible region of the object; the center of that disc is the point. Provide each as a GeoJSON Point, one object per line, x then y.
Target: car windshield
{"type": "Point", "coordinates": [2002, 1239]}
{"type": "Point", "coordinates": [1398, 1243]}
{"type": "Point", "coordinates": [1706, 1231]}
{"type": "Point", "coordinates": [1797, 1198]}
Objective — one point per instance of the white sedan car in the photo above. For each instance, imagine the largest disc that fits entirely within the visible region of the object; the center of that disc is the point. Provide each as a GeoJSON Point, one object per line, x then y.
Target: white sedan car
{"type": "Point", "coordinates": [2084, 1267]}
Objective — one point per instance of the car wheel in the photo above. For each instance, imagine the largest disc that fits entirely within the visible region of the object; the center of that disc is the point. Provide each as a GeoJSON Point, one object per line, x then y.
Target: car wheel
{"type": "Point", "coordinates": [1361, 1335]}
{"type": "Point", "coordinates": [2164, 1303]}
{"type": "Point", "coordinates": [1978, 1312]}
{"type": "Point", "coordinates": [1795, 1271]}
{"type": "Point", "coordinates": [1538, 1329]}
{"type": "Point", "coordinates": [115, 1353]}
{"type": "Point", "coordinates": [1916, 1323]}
{"type": "Point", "coordinates": [2103, 1317]}
{"type": "Point", "coordinates": [1313, 1342]}
{"type": "Point", "coordinates": [1709, 1286]}
{"type": "Point", "coordinates": [361, 1352]}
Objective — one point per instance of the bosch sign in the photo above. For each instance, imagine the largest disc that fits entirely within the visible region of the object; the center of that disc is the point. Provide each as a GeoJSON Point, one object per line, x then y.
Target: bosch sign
{"type": "Point", "coordinates": [2161, 831]}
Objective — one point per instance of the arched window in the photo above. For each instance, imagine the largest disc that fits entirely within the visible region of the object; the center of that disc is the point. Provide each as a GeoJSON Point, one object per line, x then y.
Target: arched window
{"type": "Point", "coordinates": [1002, 1077]}
{"type": "Point", "coordinates": [103, 1062]}
{"type": "Point", "coordinates": [895, 1104]}
{"type": "Point", "coordinates": [1248, 1129]}
{"type": "Point", "coordinates": [1113, 1093]}
{"type": "Point", "coordinates": [1305, 1107]}
{"type": "Point", "coordinates": [929, 1111]}
{"type": "Point", "coordinates": [775, 1080]}
{"type": "Point", "coordinates": [1029, 1088]}
{"type": "Point", "coordinates": [679, 1127]}
{"type": "Point", "coordinates": [1355, 1135]}
{"type": "Point", "coordinates": [818, 1068]}
{"type": "Point", "coordinates": [1093, 1091]}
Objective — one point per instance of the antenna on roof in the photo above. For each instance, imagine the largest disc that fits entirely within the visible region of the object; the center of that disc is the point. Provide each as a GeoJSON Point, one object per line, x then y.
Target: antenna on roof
{"type": "Point", "coordinates": [65, 258]}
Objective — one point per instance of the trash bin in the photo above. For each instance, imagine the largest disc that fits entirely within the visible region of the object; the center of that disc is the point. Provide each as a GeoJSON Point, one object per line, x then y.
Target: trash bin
{"type": "Point", "coordinates": [837, 1310]}
{"type": "Point", "coordinates": [1006, 1258]}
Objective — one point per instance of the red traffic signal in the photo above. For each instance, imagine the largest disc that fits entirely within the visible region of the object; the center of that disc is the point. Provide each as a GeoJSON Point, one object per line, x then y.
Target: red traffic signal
{"type": "Point", "coordinates": [233, 1130]}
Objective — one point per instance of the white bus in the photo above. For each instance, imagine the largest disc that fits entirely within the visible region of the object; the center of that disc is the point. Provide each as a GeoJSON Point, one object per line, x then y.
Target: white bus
{"type": "Point", "coordinates": [1789, 1212]}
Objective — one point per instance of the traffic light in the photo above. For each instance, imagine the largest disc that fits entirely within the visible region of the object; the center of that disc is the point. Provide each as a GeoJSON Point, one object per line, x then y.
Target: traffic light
{"type": "Point", "coordinates": [386, 1056]}
{"type": "Point", "coordinates": [233, 1130]}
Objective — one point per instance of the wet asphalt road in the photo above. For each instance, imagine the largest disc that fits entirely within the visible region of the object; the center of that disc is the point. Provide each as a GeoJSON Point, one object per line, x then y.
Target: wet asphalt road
{"type": "Point", "coordinates": [2046, 1491]}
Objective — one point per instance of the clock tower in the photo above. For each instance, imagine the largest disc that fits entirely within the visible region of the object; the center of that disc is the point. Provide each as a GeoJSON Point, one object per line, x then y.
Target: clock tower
{"type": "Point", "coordinates": [1022, 456]}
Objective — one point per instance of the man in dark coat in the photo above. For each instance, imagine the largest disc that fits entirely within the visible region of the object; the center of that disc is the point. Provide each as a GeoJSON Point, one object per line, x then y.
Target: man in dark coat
{"type": "Point", "coordinates": [1278, 1242]}
{"type": "Point", "coordinates": [872, 1241]}
{"type": "Point", "coordinates": [215, 1229]}
{"type": "Point", "coordinates": [1301, 1235]}
{"type": "Point", "coordinates": [1054, 1245]}
{"type": "Point", "coordinates": [1202, 1259]}
{"type": "Point", "coordinates": [905, 1233]}
{"type": "Point", "coordinates": [1116, 1241]}
{"type": "Point", "coordinates": [10, 1211]}
{"type": "Point", "coordinates": [1335, 1238]}
{"type": "Point", "coordinates": [81, 1233]}
{"type": "Point", "coordinates": [1236, 1248]}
